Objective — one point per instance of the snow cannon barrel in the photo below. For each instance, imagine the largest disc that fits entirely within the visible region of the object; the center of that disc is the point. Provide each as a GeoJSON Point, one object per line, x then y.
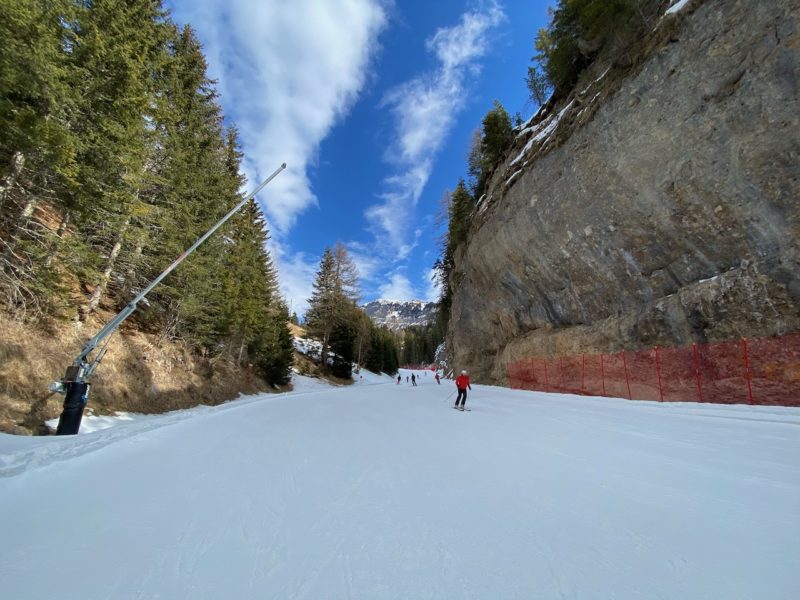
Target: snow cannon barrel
{"type": "Point", "coordinates": [75, 400]}
{"type": "Point", "coordinates": [74, 384]}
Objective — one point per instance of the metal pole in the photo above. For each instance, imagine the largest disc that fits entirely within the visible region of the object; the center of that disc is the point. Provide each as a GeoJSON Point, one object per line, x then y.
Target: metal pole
{"type": "Point", "coordinates": [627, 377]}
{"type": "Point", "coordinates": [546, 378]}
{"type": "Point", "coordinates": [603, 374]}
{"type": "Point", "coordinates": [658, 372]}
{"type": "Point", "coordinates": [583, 373]}
{"type": "Point", "coordinates": [747, 371]}
{"type": "Point", "coordinates": [128, 310]}
{"type": "Point", "coordinates": [74, 384]}
{"type": "Point", "coordinates": [697, 372]}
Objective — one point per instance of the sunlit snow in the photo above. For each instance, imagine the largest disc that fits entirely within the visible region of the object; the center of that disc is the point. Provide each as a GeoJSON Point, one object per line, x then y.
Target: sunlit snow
{"type": "Point", "coordinates": [677, 6]}
{"type": "Point", "coordinates": [381, 490]}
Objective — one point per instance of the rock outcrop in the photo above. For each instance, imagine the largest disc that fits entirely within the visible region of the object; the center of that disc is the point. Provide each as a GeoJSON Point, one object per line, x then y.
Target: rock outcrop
{"type": "Point", "coordinates": [658, 206]}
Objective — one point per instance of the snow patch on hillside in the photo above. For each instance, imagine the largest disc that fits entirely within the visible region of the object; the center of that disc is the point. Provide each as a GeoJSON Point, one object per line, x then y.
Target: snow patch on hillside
{"type": "Point", "coordinates": [542, 131]}
{"type": "Point", "coordinates": [677, 6]}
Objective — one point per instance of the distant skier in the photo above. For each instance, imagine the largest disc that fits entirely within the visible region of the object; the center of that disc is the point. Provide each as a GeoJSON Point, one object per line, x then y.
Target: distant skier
{"type": "Point", "coordinates": [462, 383]}
{"type": "Point", "coordinates": [406, 378]}
{"type": "Point", "coordinates": [438, 380]}
{"type": "Point", "coordinates": [398, 380]}
{"type": "Point", "coordinates": [413, 380]}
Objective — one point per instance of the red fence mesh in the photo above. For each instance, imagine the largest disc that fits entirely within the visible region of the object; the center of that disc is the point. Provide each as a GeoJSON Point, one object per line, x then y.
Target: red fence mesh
{"type": "Point", "coordinates": [764, 371]}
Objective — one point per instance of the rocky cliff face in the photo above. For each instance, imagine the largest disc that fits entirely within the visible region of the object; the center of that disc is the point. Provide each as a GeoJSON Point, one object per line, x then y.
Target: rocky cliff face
{"type": "Point", "coordinates": [659, 205]}
{"type": "Point", "coordinates": [399, 315]}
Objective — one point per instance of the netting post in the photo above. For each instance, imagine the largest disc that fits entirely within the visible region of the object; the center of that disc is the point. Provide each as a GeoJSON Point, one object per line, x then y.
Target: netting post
{"type": "Point", "coordinates": [658, 373]}
{"type": "Point", "coordinates": [533, 372]}
{"type": "Point", "coordinates": [602, 374]}
{"type": "Point", "coordinates": [627, 377]}
{"type": "Point", "coordinates": [747, 371]}
{"type": "Point", "coordinates": [697, 371]}
{"type": "Point", "coordinates": [583, 373]}
{"type": "Point", "coordinates": [546, 380]}
{"type": "Point", "coordinates": [561, 373]}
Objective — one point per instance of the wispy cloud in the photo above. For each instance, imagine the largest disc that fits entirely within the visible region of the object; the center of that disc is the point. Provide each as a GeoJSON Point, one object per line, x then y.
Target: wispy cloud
{"type": "Point", "coordinates": [287, 72]}
{"type": "Point", "coordinates": [433, 290]}
{"type": "Point", "coordinates": [398, 288]}
{"type": "Point", "coordinates": [365, 259]}
{"type": "Point", "coordinates": [297, 273]}
{"type": "Point", "coordinates": [424, 111]}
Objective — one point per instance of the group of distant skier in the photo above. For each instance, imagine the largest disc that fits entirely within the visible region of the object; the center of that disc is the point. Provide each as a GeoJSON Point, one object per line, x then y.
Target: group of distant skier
{"type": "Point", "coordinates": [413, 379]}
{"type": "Point", "coordinates": [462, 385]}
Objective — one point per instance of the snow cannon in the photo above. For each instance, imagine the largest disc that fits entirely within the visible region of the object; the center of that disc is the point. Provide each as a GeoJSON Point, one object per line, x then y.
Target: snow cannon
{"type": "Point", "coordinates": [75, 385]}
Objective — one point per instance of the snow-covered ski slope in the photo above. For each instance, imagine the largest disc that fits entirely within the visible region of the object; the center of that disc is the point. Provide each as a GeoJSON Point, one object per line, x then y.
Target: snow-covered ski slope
{"type": "Point", "coordinates": [382, 491]}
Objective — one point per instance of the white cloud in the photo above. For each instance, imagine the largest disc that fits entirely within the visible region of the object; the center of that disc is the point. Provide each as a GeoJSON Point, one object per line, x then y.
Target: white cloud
{"type": "Point", "coordinates": [287, 71]}
{"type": "Point", "coordinates": [424, 110]}
{"type": "Point", "coordinates": [297, 272]}
{"type": "Point", "coordinates": [365, 259]}
{"type": "Point", "coordinates": [433, 289]}
{"type": "Point", "coordinates": [398, 288]}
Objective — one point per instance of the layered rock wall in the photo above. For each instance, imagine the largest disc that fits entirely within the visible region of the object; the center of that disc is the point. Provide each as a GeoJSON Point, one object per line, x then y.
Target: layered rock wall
{"type": "Point", "coordinates": [662, 209]}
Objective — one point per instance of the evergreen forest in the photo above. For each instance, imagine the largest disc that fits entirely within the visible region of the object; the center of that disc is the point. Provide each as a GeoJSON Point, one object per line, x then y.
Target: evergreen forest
{"type": "Point", "coordinates": [114, 158]}
{"type": "Point", "coordinates": [347, 334]}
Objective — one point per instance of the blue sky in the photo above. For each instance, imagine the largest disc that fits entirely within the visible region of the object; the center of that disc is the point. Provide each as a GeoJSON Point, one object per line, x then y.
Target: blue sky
{"type": "Point", "coordinates": [372, 104]}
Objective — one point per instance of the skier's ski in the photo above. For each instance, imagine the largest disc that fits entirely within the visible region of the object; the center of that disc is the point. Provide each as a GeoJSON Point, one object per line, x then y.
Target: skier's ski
{"type": "Point", "coordinates": [465, 409]}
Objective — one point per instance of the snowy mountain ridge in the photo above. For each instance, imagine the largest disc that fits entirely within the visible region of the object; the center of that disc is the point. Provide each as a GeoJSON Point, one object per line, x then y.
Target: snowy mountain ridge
{"type": "Point", "coordinates": [398, 315]}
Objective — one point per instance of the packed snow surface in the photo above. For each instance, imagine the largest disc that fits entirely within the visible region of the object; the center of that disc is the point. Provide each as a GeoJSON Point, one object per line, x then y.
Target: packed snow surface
{"type": "Point", "coordinates": [381, 490]}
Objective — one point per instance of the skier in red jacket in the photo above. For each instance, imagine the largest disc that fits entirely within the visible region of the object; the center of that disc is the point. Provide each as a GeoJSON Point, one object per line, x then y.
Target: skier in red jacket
{"type": "Point", "coordinates": [462, 383]}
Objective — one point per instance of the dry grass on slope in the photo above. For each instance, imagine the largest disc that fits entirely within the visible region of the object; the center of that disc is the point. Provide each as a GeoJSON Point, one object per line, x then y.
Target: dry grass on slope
{"type": "Point", "coordinates": [138, 374]}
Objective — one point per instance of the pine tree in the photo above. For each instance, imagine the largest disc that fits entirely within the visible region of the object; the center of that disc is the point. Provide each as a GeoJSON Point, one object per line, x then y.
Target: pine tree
{"type": "Point", "coordinates": [111, 129]}
{"type": "Point", "coordinates": [391, 360]}
{"type": "Point", "coordinates": [345, 275]}
{"type": "Point", "coordinates": [194, 189]}
{"type": "Point", "coordinates": [539, 87]}
{"type": "Point", "coordinates": [321, 314]}
{"type": "Point", "coordinates": [582, 30]}
{"type": "Point", "coordinates": [118, 47]}
{"type": "Point", "coordinates": [37, 147]}
{"type": "Point", "coordinates": [382, 356]}
{"type": "Point", "coordinates": [460, 207]}
{"type": "Point", "coordinates": [257, 318]}
{"type": "Point", "coordinates": [342, 339]}
{"type": "Point", "coordinates": [333, 300]}
{"type": "Point", "coordinates": [488, 147]}
{"type": "Point", "coordinates": [364, 330]}
{"type": "Point", "coordinates": [272, 351]}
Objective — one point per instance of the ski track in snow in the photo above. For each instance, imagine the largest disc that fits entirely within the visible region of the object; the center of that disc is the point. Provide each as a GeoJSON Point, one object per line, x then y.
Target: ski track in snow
{"type": "Point", "coordinates": [383, 491]}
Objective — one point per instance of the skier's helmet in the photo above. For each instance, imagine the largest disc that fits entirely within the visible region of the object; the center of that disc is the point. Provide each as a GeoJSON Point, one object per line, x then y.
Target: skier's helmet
{"type": "Point", "coordinates": [464, 372]}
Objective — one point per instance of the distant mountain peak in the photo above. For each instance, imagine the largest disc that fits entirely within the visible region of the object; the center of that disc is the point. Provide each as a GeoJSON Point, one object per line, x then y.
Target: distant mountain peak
{"type": "Point", "coordinates": [399, 314]}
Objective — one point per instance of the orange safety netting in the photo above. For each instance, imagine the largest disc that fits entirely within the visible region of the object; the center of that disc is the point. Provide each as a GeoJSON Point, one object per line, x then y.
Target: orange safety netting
{"type": "Point", "coordinates": [764, 371]}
